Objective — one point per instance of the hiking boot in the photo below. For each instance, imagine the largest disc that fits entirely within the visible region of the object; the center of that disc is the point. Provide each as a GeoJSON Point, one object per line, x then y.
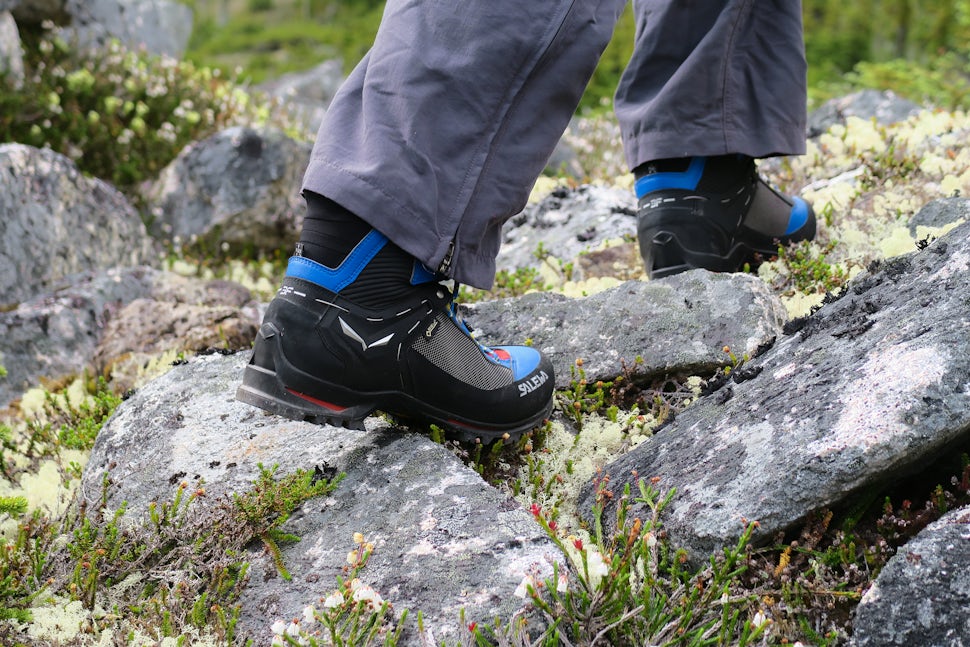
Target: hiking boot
{"type": "Point", "coordinates": [327, 358]}
{"type": "Point", "coordinates": [718, 214]}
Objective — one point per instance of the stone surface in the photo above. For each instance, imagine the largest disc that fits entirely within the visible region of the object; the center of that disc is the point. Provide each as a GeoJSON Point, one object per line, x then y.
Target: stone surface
{"type": "Point", "coordinates": [160, 27]}
{"type": "Point", "coordinates": [939, 213]}
{"type": "Point", "coordinates": [308, 94]}
{"type": "Point", "coordinates": [240, 186]}
{"type": "Point", "coordinates": [566, 223]}
{"type": "Point", "coordinates": [115, 321]}
{"type": "Point", "coordinates": [11, 53]}
{"type": "Point", "coordinates": [54, 222]}
{"type": "Point", "coordinates": [677, 325]}
{"type": "Point", "coordinates": [920, 597]}
{"type": "Point", "coordinates": [444, 539]}
{"type": "Point", "coordinates": [56, 335]}
{"type": "Point", "coordinates": [179, 314]}
{"type": "Point", "coordinates": [884, 106]}
{"type": "Point", "coordinates": [870, 387]}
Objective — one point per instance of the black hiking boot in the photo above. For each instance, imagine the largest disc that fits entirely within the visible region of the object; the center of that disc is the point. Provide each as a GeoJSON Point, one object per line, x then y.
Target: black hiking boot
{"type": "Point", "coordinates": [718, 214]}
{"type": "Point", "coordinates": [327, 358]}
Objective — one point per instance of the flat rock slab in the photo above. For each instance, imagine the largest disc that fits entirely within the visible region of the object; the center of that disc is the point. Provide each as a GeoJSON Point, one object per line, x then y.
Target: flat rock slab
{"type": "Point", "coordinates": [870, 387]}
{"type": "Point", "coordinates": [920, 597]}
{"type": "Point", "coordinates": [678, 325]}
{"type": "Point", "coordinates": [444, 539]}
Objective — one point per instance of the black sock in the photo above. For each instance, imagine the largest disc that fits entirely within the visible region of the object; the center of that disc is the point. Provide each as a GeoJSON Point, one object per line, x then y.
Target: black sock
{"type": "Point", "coordinates": [671, 165]}
{"type": "Point", "coordinates": [329, 234]}
{"type": "Point", "coordinates": [329, 231]}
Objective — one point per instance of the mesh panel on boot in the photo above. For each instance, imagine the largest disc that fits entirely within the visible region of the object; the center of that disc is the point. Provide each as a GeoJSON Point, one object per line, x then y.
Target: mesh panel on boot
{"type": "Point", "coordinates": [459, 356]}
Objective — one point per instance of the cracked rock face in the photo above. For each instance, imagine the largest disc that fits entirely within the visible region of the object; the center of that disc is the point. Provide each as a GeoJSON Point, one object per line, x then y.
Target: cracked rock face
{"type": "Point", "coordinates": [444, 539]}
{"type": "Point", "coordinates": [920, 597]}
{"type": "Point", "coordinates": [868, 388]}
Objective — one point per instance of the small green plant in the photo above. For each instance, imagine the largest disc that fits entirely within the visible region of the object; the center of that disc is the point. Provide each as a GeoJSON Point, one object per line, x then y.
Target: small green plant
{"type": "Point", "coordinates": [352, 615]}
{"type": "Point", "coordinates": [266, 507]}
{"type": "Point", "coordinates": [582, 399]}
{"type": "Point", "coordinates": [119, 115]}
{"type": "Point", "coordinates": [513, 283]}
{"type": "Point", "coordinates": [807, 269]}
{"type": "Point", "coordinates": [629, 587]}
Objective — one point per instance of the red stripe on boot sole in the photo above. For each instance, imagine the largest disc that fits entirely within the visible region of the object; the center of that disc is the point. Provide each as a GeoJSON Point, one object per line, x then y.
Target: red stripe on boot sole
{"type": "Point", "coordinates": [321, 403]}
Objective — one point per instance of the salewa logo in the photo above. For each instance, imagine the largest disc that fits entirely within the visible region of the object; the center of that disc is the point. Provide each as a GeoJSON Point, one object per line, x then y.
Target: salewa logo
{"type": "Point", "coordinates": [431, 329]}
{"type": "Point", "coordinates": [287, 290]}
{"type": "Point", "coordinates": [353, 334]}
{"type": "Point", "coordinates": [527, 387]}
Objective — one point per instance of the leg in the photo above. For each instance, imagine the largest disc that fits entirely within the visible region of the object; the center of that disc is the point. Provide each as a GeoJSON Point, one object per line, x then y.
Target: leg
{"type": "Point", "coordinates": [433, 142]}
{"type": "Point", "coordinates": [694, 111]}
{"type": "Point", "coordinates": [438, 135]}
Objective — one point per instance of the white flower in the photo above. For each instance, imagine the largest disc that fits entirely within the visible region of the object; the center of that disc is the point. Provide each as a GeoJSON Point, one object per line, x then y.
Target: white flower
{"type": "Point", "coordinates": [364, 593]}
{"type": "Point", "coordinates": [293, 629]}
{"type": "Point", "coordinates": [335, 599]}
{"type": "Point", "coordinates": [522, 590]}
{"type": "Point", "coordinates": [596, 568]}
{"type": "Point", "coordinates": [759, 620]}
{"type": "Point", "coordinates": [277, 641]}
{"type": "Point", "coordinates": [278, 627]}
{"type": "Point", "coordinates": [563, 583]}
{"type": "Point", "coordinates": [309, 614]}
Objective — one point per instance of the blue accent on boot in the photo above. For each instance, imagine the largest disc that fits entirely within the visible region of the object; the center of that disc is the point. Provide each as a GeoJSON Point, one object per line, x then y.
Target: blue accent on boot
{"type": "Point", "coordinates": [421, 274]}
{"type": "Point", "coordinates": [337, 278]}
{"type": "Point", "coordinates": [686, 180]}
{"type": "Point", "coordinates": [798, 217]}
{"type": "Point", "coordinates": [524, 360]}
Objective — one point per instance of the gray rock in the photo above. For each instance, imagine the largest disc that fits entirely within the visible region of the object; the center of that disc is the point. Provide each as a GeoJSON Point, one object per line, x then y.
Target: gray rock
{"type": "Point", "coordinates": [884, 106]}
{"type": "Point", "coordinates": [56, 335]}
{"type": "Point", "coordinates": [938, 213]}
{"type": "Point", "coordinates": [870, 387]}
{"type": "Point", "coordinates": [11, 53]}
{"type": "Point", "coordinates": [678, 325]}
{"type": "Point", "coordinates": [308, 94]}
{"type": "Point", "coordinates": [54, 222]}
{"type": "Point", "coordinates": [180, 314]}
{"type": "Point", "coordinates": [240, 186]}
{"type": "Point", "coordinates": [920, 597]}
{"type": "Point", "coordinates": [567, 222]}
{"type": "Point", "coordinates": [160, 27]}
{"type": "Point", "coordinates": [444, 539]}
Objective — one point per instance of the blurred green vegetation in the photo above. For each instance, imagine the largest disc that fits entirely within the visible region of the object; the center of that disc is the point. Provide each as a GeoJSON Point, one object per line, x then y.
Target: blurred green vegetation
{"type": "Point", "coordinates": [918, 48]}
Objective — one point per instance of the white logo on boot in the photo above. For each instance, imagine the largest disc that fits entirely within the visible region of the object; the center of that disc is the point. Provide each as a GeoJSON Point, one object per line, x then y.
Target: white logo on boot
{"type": "Point", "coordinates": [353, 334]}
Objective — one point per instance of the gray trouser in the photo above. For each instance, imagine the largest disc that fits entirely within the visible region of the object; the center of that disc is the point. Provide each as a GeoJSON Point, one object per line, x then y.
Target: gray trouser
{"type": "Point", "coordinates": [438, 135]}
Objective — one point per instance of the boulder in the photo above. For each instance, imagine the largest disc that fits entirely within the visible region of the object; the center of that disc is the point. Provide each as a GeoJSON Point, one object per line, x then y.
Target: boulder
{"type": "Point", "coordinates": [885, 107]}
{"type": "Point", "coordinates": [308, 94]}
{"type": "Point", "coordinates": [566, 223]}
{"type": "Point", "coordinates": [678, 325]}
{"type": "Point", "coordinates": [180, 314]}
{"type": "Point", "coordinates": [939, 213]}
{"type": "Point", "coordinates": [444, 539]}
{"type": "Point", "coordinates": [114, 321]}
{"type": "Point", "coordinates": [870, 387]}
{"type": "Point", "coordinates": [160, 27]}
{"type": "Point", "coordinates": [56, 335]}
{"type": "Point", "coordinates": [240, 187]}
{"type": "Point", "coordinates": [920, 597]}
{"type": "Point", "coordinates": [11, 53]}
{"type": "Point", "coordinates": [55, 222]}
